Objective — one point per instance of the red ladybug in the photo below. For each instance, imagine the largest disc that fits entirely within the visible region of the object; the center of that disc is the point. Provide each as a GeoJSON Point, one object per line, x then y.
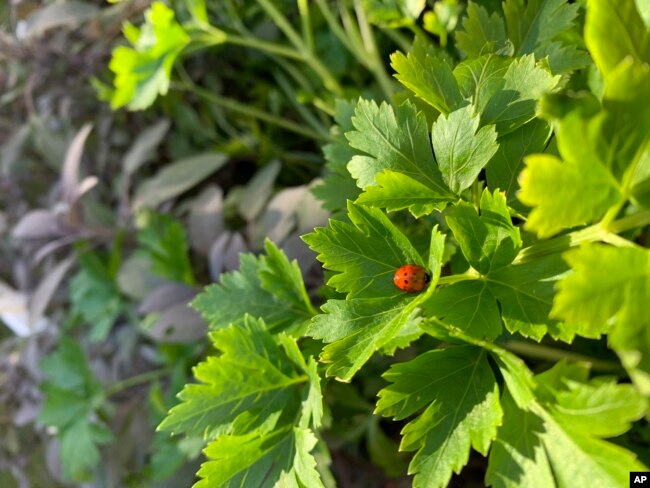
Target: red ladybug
{"type": "Point", "coordinates": [411, 278]}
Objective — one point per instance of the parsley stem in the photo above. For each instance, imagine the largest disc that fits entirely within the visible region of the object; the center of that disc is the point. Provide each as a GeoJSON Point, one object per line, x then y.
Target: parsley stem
{"type": "Point", "coordinates": [305, 19]}
{"type": "Point", "coordinates": [376, 64]}
{"type": "Point", "coordinates": [559, 244]}
{"type": "Point", "coordinates": [340, 34]}
{"type": "Point", "coordinates": [138, 379]}
{"type": "Point", "coordinates": [455, 278]}
{"type": "Point", "coordinates": [256, 113]}
{"type": "Point", "coordinates": [639, 219]}
{"type": "Point", "coordinates": [593, 233]}
{"type": "Point", "coordinates": [330, 82]}
{"type": "Point", "coordinates": [265, 46]}
{"type": "Point", "coordinates": [210, 37]}
{"type": "Point", "coordinates": [540, 351]}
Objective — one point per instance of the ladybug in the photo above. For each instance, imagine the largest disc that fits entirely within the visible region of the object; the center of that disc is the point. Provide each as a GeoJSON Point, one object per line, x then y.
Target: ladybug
{"type": "Point", "coordinates": [411, 278]}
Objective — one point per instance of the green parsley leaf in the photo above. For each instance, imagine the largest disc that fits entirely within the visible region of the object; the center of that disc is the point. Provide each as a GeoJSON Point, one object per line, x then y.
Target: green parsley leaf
{"type": "Point", "coordinates": [278, 458]}
{"type": "Point", "coordinates": [356, 329]}
{"type": "Point", "coordinates": [268, 287]}
{"type": "Point", "coordinates": [253, 387]}
{"type": "Point", "coordinates": [514, 103]}
{"type": "Point", "coordinates": [516, 376]}
{"type": "Point", "coordinates": [608, 291]}
{"type": "Point", "coordinates": [571, 192]}
{"type": "Point", "coordinates": [481, 33]}
{"type": "Point", "coordinates": [142, 72]}
{"type": "Point", "coordinates": [396, 140]}
{"type": "Point", "coordinates": [503, 169]}
{"type": "Point", "coordinates": [524, 293]}
{"type": "Point", "coordinates": [563, 58]}
{"type": "Point", "coordinates": [462, 410]}
{"type": "Point", "coordinates": [594, 462]}
{"type": "Point", "coordinates": [283, 278]}
{"type": "Point", "coordinates": [461, 148]}
{"type": "Point", "coordinates": [602, 279]}
{"type": "Point", "coordinates": [489, 240]}
{"type": "Point", "coordinates": [427, 73]}
{"type": "Point", "coordinates": [396, 191]}
{"type": "Point", "coordinates": [365, 253]}
{"type": "Point", "coordinates": [532, 24]}
{"type": "Point", "coordinates": [393, 13]}
{"type": "Point", "coordinates": [631, 340]}
{"type": "Point", "coordinates": [623, 147]}
{"type": "Point", "coordinates": [480, 78]}
{"type": "Point", "coordinates": [599, 409]}
{"type": "Point", "coordinates": [337, 187]}
{"type": "Point", "coordinates": [557, 443]}
{"type": "Point", "coordinates": [517, 458]}
{"type": "Point", "coordinates": [469, 306]}
{"type": "Point", "coordinates": [614, 34]}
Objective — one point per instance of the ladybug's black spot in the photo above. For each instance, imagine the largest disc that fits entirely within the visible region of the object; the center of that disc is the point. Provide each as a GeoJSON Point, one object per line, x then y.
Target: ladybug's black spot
{"type": "Point", "coordinates": [406, 282]}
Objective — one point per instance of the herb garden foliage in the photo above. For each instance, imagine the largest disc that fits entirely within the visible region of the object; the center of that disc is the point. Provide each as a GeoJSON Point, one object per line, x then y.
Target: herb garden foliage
{"type": "Point", "coordinates": [470, 148]}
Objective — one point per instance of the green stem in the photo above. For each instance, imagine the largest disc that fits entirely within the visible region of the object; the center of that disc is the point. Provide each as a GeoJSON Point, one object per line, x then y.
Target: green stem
{"type": "Point", "coordinates": [377, 66]}
{"type": "Point", "coordinates": [476, 193]}
{"type": "Point", "coordinates": [540, 351]}
{"type": "Point", "coordinates": [402, 42]}
{"type": "Point", "coordinates": [639, 219]}
{"type": "Point", "coordinates": [559, 244]}
{"type": "Point", "coordinates": [265, 46]}
{"type": "Point", "coordinates": [443, 39]}
{"type": "Point", "coordinates": [305, 19]}
{"type": "Point", "coordinates": [611, 214]}
{"type": "Point", "coordinates": [292, 97]}
{"type": "Point", "coordinates": [456, 278]}
{"type": "Point", "coordinates": [641, 188]}
{"type": "Point", "coordinates": [592, 233]}
{"type": "Point", "coordinates": [138, 379]}
{"type": "Point", "coordinates": [329, 81]}
{"type": "Point", "coordinates": [250, 111]}
{"type": "Point", "coordinates": [340, 34]}
{"type": "Point", "coordinates": [209, 39]}
{"type": "Point", "coordinates": [459, 334]}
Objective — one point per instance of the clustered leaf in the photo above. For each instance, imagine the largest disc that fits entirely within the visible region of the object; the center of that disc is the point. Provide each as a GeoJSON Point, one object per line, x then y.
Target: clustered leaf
{"type": "Point", "coordinates": [72, 397]}
{"type": "Point", "coordinates": [428, 74]}
{"type": "Point", "coordinates": [567, 423]}
{"type": "Point", "coordinates": [268, 287]}
{"type": "Point", "coordinates": [567, 193]}
{"type": "Point", "coordinates": [365, 252]}
{"type": "Point", "coordinates": [608, 292]}
{"type": "Point", "coordinates": [520, 295]}
{"type": "Point", "coordinates": [142, 72]}
{"type": "Point", "coordinates": [461, 410]}
{"type": "Point", "coordinates": [337, 187]}
{"type": "Point", "coordinates": [358, 327]}
{"type": "Point", "coordinates": [571, 161]}
{"type": "Point", "coordinates": [95, 296]}
{"type": "Point", "coordinates": [255, 405]}
{"type": "Point", "coordinates": [163, 242]}
{"type": "Point", "coordinates": [482, 32]}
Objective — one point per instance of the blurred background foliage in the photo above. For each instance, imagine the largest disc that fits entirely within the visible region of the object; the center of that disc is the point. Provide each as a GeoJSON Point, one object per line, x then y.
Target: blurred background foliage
{"type": "Point", "coordinates": [112, 218]}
